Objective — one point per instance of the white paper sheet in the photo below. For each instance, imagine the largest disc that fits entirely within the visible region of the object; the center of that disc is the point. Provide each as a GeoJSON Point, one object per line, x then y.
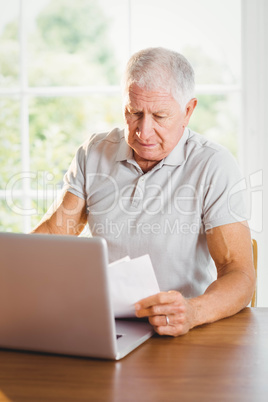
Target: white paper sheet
{"type": "Point", "coordinates": [131, 281]}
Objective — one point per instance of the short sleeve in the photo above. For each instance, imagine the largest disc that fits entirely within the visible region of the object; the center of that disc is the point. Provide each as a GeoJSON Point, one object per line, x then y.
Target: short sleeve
{"type": "Point", "coordinates": [74, 179]}
{"type": "Point", "coordinates": [224, 192]}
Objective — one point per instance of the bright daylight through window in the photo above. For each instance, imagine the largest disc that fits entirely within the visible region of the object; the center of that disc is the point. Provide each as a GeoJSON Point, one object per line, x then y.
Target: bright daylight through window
{"type": "Point", "coordinates": [60, 68]}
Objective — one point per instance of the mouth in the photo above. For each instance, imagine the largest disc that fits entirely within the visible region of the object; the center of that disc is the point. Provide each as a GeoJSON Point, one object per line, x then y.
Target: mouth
{"type": "Point", "coordinates": [145, 145]}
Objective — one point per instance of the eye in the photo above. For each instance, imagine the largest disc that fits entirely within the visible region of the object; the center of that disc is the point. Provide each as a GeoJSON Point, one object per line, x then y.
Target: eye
{"type": "Point", "coordinates": [130, 113]}
{"type": "Point", "coordinates": [157, 116]}
{"type": "Point", "coordinates": [138, 114]}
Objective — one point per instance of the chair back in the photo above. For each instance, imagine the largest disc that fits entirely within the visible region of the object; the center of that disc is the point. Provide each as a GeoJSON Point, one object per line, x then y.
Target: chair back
{"type": "Point", "coordinates": [255, 263]}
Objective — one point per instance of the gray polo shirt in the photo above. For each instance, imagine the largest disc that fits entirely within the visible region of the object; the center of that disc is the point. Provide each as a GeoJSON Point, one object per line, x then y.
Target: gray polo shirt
{"type": "Point", "coordinates": [164, 212]}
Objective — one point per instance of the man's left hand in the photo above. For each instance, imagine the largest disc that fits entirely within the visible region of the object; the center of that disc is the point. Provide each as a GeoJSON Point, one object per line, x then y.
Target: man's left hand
{"type": "Point", "coordinates": [168, 312]}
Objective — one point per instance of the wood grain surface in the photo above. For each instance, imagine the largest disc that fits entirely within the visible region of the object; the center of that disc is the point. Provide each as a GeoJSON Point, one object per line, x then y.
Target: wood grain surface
{"type": "Point", "coordinates": [223, 361]}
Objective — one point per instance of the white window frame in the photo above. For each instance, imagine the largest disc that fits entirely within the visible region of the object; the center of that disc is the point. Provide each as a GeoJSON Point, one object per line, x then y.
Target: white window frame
{"type": "Point", "coordinates": [254, 145]}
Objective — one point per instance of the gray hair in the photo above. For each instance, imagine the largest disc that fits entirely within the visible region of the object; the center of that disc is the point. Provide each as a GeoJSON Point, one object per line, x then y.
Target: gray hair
{"type": "Point", "coordinates": [159, 68]}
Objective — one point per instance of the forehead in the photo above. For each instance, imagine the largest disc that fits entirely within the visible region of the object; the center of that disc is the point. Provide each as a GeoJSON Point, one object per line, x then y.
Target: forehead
{"type": "Point", "coordinates": [140, 98]}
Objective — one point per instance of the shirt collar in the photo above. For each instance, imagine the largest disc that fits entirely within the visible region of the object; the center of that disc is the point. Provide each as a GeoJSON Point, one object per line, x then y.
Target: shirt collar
{"type": "Point", "coordinates": [124, 152]}
{"type": "Point", "coordinates": [178, 154]}
{"type": "Point", "coordinates": [175, 158]}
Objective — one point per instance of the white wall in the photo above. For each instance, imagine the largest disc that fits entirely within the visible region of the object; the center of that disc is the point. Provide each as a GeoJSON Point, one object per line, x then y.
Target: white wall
{"type": "Point", "coordinates": [255, 128]}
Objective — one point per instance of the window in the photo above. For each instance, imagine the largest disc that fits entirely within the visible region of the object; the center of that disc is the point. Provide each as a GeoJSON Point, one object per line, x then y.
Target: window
{"type": "Point", "coordinates": [255, 140]}
{"type": "Point", "coordinates": [60, 68]}
{"type": "Point", "coordinates": [60, 73]}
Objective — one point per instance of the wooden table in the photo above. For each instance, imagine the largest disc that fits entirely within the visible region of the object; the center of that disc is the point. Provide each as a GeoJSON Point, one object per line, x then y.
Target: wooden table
{"type": "Point", "coordinates": [224, 361]}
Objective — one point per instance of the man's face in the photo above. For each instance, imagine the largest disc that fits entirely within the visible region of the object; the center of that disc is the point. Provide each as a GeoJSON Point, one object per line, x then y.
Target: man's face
{"type": "Point", "coordinates": [155, 124]}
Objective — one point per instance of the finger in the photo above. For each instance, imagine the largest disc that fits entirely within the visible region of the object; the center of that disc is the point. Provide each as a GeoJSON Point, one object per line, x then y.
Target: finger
{"type": "Point", "coordinates": [160, 320]}
{"type": "Point", "coordinates": [163, 310]}
{"type": "Point", "coordinates": [174, 309]}
{"type": "Point", "coordinates": [167, 319]}
{"type": "Point", "coordinates": [173, 329]}
{"type": "Point", "coordinates": [169, 330]}
{"type": "Point", "coordinates": [157, 299]}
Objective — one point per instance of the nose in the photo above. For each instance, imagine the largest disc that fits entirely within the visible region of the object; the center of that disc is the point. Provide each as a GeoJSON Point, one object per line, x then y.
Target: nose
{"type": "Point", "coordinates": [145, 128]}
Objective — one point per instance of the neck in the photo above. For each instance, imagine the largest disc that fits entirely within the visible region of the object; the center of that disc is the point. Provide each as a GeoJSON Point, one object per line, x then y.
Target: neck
{"type": "Point", "coordinates": [145, 165]}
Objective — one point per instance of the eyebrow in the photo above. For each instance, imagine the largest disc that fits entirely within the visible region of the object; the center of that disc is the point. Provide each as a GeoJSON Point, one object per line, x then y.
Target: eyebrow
{"type": "Point", "coordinates": [132, 109]}
{"type": "Point", "coordinates": [160, 111]}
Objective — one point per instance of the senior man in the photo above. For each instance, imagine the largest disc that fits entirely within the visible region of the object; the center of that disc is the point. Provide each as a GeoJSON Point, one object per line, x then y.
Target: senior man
{"type": "Point", "coordinates": [156, 187]}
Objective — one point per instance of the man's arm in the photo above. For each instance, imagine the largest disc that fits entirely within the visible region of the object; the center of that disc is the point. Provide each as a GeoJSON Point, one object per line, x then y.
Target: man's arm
{"type": "Point", "coordinates": [69, 217]}
{"type": "Point", "coordinates": [230, 248]}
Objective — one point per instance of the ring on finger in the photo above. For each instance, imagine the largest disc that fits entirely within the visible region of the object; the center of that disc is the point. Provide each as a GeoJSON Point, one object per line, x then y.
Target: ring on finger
{"type": "Point", "coordinates": [167, 320]}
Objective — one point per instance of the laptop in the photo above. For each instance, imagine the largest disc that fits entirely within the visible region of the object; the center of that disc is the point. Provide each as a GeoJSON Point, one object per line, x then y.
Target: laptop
{"type": "Point", "coordinates": [55, 298]}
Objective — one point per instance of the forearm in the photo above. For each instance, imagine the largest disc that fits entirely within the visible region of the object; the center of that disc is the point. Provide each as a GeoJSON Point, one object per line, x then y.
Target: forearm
{"type": "Point", "coordinates": [68, 218]}
{"type": "Point", "coordinates": [70, 227]}
{"type": "Point", "coordinates": [224, 297]}
{"type": "Point", "coordinates": [42, 228]}
{"type": "Point", "coordinates": [230, 248]}
{"type": "Point", "coordinates": [47, 227]}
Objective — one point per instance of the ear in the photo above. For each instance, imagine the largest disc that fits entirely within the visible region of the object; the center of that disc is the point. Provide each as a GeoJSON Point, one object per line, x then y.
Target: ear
{"type": "Point", "coordinates": [190, 107]}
